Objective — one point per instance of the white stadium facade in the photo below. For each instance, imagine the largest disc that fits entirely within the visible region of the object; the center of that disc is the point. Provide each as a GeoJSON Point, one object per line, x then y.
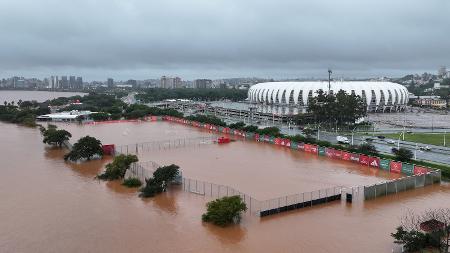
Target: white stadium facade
{"type": "Point", "coordinates": [379, 96]}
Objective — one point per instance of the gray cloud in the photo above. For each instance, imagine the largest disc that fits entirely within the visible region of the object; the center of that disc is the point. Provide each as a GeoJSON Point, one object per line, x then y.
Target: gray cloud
{"type": "Point", "coordinates": [222, 38]}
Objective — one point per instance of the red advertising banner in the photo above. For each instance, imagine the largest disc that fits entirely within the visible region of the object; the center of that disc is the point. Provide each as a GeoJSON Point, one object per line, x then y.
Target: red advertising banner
{"type": "Point", "coordinates": [354, 158]}
{"type": "Point", "coordinates": [266, 138]}
{"type": "Point", "coordinates": [277, 141]}
{"type": "Point", "coordinates": [329, 152]}
{"type": "Point", "coordinates": [374, 161]}
{"type": "Point", "coordinates": [363, 159]}
{"type": "Point", "coordinates": [418, 170]}
{"type": "Point", "coordinates": [301, 146]}
{"type": "Point", "coordinates": [311, 148]}
{"type": "Point", "coordinates": [226, 130]}
{"type": "Point", "coordinates": [396, 167]}
{"type": "Point", "coordinates": [337, 154]}
{"type": "Point", "coordinates": [346, 156]}
{"type": "Point", "coordinates": [256, 137]}
{"type": "Point", "coordinates": [286, 142]}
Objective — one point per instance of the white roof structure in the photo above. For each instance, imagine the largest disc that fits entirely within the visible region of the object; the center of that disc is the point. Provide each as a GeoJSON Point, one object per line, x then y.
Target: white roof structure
{"type": "Point", "coordinates": [64, 116]}
{"type": "Point", "coordinates": [379, 96]}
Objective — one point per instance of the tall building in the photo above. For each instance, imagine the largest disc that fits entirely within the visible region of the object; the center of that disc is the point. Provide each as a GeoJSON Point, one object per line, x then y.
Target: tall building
{"type": "Point", "coordinates": [202, 83]}
{"type": "Point", "coordinates": [110, 82]}
{"type": "Point", "coordinates": [170, 82]}
{"type": "Point", "coordinates": [442, 72]}
{"type": "Point", "coordinates": [54, 82]}
{"type": "Point", "coordinates": [64, 83]}
{"type": "Point", "coordinates": [72, 82]}
{"type": "Point", "coordinates": [79, 83]}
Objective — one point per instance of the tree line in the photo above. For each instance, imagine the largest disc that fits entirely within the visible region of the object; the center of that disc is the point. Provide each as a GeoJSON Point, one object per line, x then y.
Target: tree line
{"type": "Point", "coordinates": [158, 94]}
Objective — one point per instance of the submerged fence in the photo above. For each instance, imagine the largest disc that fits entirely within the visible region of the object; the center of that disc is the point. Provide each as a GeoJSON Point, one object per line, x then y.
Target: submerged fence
{"type": "Point", "coordinates": [142, 170]}
{"type": "Point", "coordinates": [219, 191]}
{"type": "Point", "coordinates": [401, 184]}
{"type": "Point", "coordinates": [301, 200]}
{"type": "Point", "coordinates": [165, 145]}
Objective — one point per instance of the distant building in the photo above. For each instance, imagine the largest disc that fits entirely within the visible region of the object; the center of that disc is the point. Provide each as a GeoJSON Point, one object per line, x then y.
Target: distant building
{"type": "Point", "coordinates": [72, 82]}
{"type": "Point", "coordinates": [202, 83]}
{"type": "Point", "coordinates": [132, 82]}
{"type": "Point", "coordinates": [64, 83]}
{"type": "Point", "coordinates": [442, 72]}
{"type": "Point", "coordinates": [431, 102]}
{"type": "Point", "coordinates": [170, 82]}
{"type": "Point", "coordinates": [79, 83]}
{"type": "Point", "coordinates": [110, 82]}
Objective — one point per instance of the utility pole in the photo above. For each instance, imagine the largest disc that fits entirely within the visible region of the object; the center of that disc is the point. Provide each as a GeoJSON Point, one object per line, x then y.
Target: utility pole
{"type": "Point", "coordinates": [329, 80]}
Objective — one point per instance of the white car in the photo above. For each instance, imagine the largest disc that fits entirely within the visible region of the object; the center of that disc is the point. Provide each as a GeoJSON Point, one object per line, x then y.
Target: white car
{"type": "Point", "coordinates": [426, 148]}
{"type": "Point", "coordinates": [390, 141]}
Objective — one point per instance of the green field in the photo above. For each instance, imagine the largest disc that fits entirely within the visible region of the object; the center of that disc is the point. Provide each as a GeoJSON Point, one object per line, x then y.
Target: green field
{"type": "Point", "coordinates": [426, 138]}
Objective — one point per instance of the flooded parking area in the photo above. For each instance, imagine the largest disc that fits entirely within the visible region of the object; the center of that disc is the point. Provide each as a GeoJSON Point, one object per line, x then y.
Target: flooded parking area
{"type": "Point", "coordinates": [52, 206]}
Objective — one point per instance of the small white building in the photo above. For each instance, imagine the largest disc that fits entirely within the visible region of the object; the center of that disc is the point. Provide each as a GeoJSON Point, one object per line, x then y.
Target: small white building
{"type": "Point", "coordinates": [68, 116]}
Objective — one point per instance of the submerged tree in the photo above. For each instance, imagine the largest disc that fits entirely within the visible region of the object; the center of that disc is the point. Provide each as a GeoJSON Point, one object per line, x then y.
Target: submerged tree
{"type": "Point", "coordinates": [161, 178]}
{"type": "Point", "coordinates": [224, 211]}
{"type": "Point", "coordinates": [53, 136]}
{"type": "Point", "coordinates": [118, 167]}
{"type": "Point", "coordinates": [430, 229]}
{"type": "Point", "coordinates": [85, 149]}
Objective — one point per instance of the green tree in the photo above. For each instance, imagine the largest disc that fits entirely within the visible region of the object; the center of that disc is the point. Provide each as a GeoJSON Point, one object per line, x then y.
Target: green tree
{"type": "Point", "coordinates": [118, 167]}
{"type": "Point", "coordinates": [403, 154]}
{"type": "Point", "coordinates": [367, 149]}
{"type": "Point", "coordinates": [224, 211]}
{"type": "Point", "coordinates": [85, 148]}
{"type": "Point", "coordinates": [340, 108]}
{"type": "Point", "coordinates": [161, 178]}
{"type": "Point", "coordinates": [53, 136]}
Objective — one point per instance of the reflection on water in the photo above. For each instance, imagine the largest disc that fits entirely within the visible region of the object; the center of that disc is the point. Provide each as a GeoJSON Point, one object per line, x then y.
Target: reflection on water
{"type": "Point", "coordinates": [49, 205]}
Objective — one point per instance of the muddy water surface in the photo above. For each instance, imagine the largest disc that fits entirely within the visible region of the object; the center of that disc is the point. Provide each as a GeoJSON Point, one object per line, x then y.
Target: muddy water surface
{"type": "Point", "coordinates": [50, 206]}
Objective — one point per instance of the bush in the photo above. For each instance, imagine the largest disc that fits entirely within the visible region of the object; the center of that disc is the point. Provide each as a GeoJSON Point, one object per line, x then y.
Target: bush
{"type": "Point", "coordinates": [224, 211]}
{"type": "Point", "coordinates": [118, 167]}
{"type": "Point", "coordinates": [132, 182]}
{"type": "Point", "coordinates": [403, 154]}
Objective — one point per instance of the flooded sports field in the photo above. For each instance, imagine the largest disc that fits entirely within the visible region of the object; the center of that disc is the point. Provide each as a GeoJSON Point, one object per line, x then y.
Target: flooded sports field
{"type": "Point", "coordinates": [52, 206]}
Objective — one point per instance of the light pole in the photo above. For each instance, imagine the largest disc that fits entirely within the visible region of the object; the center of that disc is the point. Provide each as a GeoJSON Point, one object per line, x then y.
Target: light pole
{"type": "Point", "coordinates": [445, 133]}
{"type": "Point", "coordinates": [353, 132]}
{"type": "Point", "coordinates": [329, 80]}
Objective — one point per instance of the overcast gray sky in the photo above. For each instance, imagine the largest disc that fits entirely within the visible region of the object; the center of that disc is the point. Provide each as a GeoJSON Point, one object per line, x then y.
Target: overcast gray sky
{"type": "Point", "coordinates": [222, 38]}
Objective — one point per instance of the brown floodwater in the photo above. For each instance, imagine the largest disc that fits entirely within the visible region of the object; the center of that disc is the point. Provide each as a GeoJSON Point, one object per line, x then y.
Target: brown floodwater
{"type": "Point", "coordinates": [40, 96]}
{"type": "Point", "coordinates": [48, 205]}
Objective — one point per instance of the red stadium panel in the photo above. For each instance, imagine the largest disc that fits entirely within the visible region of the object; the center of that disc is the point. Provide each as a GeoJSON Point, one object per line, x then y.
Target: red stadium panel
{"type": "Point", "coordinates": [346, 156]}
{"type": "Point", "coordinates": [374, 161]}
{"type": "Point", "coordinates": [396, 167]}
{"type": "Point", "coordinates": [363, 159]}
{"type": "Point", "coordinates": [418, 170]}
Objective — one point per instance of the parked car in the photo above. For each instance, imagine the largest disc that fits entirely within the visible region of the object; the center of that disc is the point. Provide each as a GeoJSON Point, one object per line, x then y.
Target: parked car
{"type": "Point", "coordinates": [390, 141]}
{"type": "Point", "coordinates": [369, 139]}
{"type": "Point", "coordinates": [426, 148]}
{"type": "Point", "coordinates": [342, 139]}
{"type": "Point", "coordinates": [381, 137]}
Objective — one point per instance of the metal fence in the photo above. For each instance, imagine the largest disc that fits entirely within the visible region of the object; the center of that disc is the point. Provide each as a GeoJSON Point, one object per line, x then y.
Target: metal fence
{"type": "Point", "coordinates": [142, 170]}
{"type": "Point", "coordinates": [300, 200]}
{"type": "Point", "coordinates": [219, 191]}
{"type": "Point", "coordinates": [401, 184]}
{"type": "Point", "coordinates": [165, 145]}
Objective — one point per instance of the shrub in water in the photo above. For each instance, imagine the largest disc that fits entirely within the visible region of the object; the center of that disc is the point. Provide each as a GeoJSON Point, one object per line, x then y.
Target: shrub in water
{"type": "Point", "coordinates": [224, 211]}
{"type": "Point", "coordinates": [132, 182]}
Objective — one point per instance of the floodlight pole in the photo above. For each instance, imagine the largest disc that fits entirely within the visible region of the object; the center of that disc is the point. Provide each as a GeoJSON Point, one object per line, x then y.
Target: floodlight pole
{"type": "Point", "coordinates": [329, 80]}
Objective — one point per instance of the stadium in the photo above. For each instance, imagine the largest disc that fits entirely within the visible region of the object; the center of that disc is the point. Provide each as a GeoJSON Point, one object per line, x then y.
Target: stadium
{"type": "Point", "coordinates": [379, 96]}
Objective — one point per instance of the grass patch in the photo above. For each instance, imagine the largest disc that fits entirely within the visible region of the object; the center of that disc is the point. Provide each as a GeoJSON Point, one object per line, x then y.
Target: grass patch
{"type": "Point", "coordinates": [132, 182]}
{"type": "Point", "coordinates": [425, 138]}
